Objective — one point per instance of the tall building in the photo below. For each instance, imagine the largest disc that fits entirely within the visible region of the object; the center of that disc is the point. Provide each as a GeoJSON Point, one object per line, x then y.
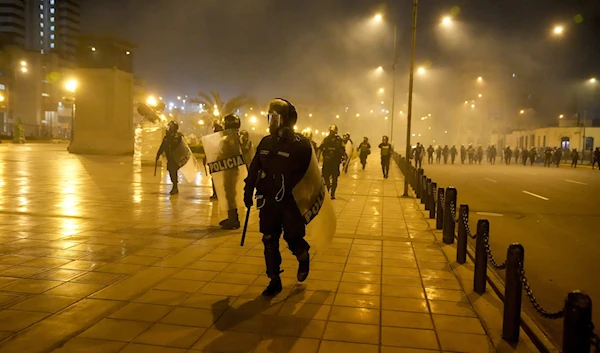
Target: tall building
{"type": "Point", "coordinates": [41, 25]}
{"type": "Point", "coordinates": [12, 21]}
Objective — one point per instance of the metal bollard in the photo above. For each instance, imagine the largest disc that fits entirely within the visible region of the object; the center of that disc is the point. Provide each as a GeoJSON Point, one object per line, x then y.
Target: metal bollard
{"type": "Point", "coordinates": [423, 188]}
{"type": "Point", "coordinates": [449, 225]}
{"type": "Point", "coordinates": [513, 293]}
{"type": "Point", "coordinates": [419, 178]}
{"type": "Point", "coordinates": [439, 221]}
{"type": "Point", "coordinates": [432, 192]}
{"type": "Point", "coordinates": [577, 323]}
{"type": "Point", "coordinates": [480, 276]}
{"type": "Point", "coordinates": [427, 190]}
{"type": "Point", "coordinates": [461, 242]}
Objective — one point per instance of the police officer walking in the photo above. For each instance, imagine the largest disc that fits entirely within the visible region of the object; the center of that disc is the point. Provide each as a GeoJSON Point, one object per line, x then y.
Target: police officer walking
{"type": "Point", "coordinates": [524, 156]}
{"type": "Point", "coordinates": [386, 153]}
{"type": "Point", "coordinates": [574, 158]}
{"type": "Point", "coordinates": [493, 155]}
{"type": "Point", "coordinates": [463, 154]}
{"type": "Point", "coordinates": [596, 158]}
{"type": "Point", "coordinates": [333, 154]}
{"type": "Point", "coordinates": [170, 142]}
{"type": "Point", "coordinates": [438, 154]}
{"type": "Point", "coordinates": [418, 153]}
{"type": "Point", "coordinates": [430, 151]}
{"type": "Point", "coordinates": [364, 150]}
{"type": "Point", "coordinates": [453, 153]}
{"type": "Point", "coordinates": [281, 161]}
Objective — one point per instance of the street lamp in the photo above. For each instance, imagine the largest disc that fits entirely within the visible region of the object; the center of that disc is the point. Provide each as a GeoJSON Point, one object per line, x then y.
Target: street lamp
{"type": "Point", "coordinates": [253, 120]}
{"type": "Point", "coordinates": [71, 86]}
{"type": "Point", "coordinates": [593, 80]}
{"type": "Point", "coordinates": [522, 111]}
{"type": "Point", "coordinates": [151, 101]}
{"type": "Point", "coordinates": [381, 90]}
{"type": "Point", "coordinates": [411, 79]}
{"type": "Point", "coordinates": [421, 70]}
{"type": "Point", "coordinates": [479, 79]}
{"type": "Point", "coordinates": [447, 20]}
{"type": "Point", "coordinates": [558, 30]}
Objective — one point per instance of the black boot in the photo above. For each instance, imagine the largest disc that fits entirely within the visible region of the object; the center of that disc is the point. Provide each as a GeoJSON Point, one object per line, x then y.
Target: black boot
{"type": "Point", "coordinates": [174, 190]}
{"type": "Point", "coordinates": [232, 221]}
{"type": "Point", "coordinates": [273, 288]}
{"type": "Point", "coordinates": [303, 265]}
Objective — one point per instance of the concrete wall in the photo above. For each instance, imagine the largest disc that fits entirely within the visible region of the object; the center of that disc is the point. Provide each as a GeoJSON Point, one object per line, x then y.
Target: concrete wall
{"type": "Point", "coordinates": [103, 114]}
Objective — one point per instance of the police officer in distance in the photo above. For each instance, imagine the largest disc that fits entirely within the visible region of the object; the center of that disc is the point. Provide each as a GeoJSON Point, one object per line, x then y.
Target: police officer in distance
{"type": "Point", "coordinates": [281, 161]}
{"type": "Point", "coordinates": [333, 153]}
{"type": "Point", "coordinates": [170, 142]}
{"type": "Point", "coordinates": [386, 154]}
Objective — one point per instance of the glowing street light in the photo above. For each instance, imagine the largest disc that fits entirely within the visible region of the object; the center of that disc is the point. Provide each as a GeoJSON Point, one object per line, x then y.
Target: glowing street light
{"type": "Point", "coordinates": [93, 49]}
{"type": "Point", "coordinates": [381, 90]}
{"type": "Point", "coordinates": [24, 69]}
{"type": "Point", "coordinates": [561, 116]}
{"type": "Point", "coordinates": [357, 115]}
{"type": "Point", "coordinates": [337, 116]}
{"type": "Point", "coordinates": [71, 85]}
{"type": "Point", "coordinates": [382, 102]}
{"type": "Point", "coordinates": [310, 115]}
{"type": "Point", "coordinates": [447, 20]}
{"type": "Point", "coordinates": [480, 95]}
{"type": "Point", "coordinates": [178, 98]}
{"type": "Point", "coordinates": [593, 80]}
{"type": "Point", "coordinates": [421, 70]}
{"type": "Point", "coordinates": [472, 106]}
{"type": "Point", "coordinates": [380, 68]}
{"type": "Point", "coordinates": [378, 17]}
{"type": "Point", "coordinates": [201, 122]}
{"type": "Point", "coordinates": [479, 79]}
{"type": "Point", "coordinates": [558, 30]}
{"type": "Point", "coordinates": [23, 63]}
{"type": "Point", "coordinates": [253, 120]}
{"type": "Point", "coordinates": [522, 111]}
{"type": "Point", "coordinates": [466, 102]}
{"type": "Point", "coordinates": [151, 101]}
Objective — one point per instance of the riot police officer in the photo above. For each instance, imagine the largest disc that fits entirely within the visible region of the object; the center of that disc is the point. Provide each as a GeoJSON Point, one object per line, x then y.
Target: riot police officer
{"type": "Point", "coordinates": [170, 142]}
{"type": "Point", "coordinates": [232, 121]}
{"type": "Point", "coordinates": [281, 160]}
{"type": "Point", "coordinates": [453, 153]}
{"type": "Point", "coordinates": [430, 151]}
{"type": "Point", "coordinates": [386, 154]}
{"type": "Point", "coordinates": [334, 153]}
{"type": "Point", "coordinates": [463, 154]}
{"type": "Point", "coordinates": [445, 153]}
{"type": "Point", "coordinates": [364, 150]}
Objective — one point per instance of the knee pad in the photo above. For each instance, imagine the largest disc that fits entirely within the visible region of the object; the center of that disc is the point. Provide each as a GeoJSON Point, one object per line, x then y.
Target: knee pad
{"type": "Point", "coordinates": [270, 242]}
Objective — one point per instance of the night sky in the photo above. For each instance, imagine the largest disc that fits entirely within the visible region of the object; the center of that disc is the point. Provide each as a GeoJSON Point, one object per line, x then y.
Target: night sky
{"type": "Point", "coordinates": [324, 51]}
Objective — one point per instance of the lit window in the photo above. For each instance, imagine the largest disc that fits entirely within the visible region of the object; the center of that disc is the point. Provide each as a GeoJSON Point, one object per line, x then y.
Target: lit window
{"type": "Point", "coordinates": [52, 45]}
{"type": "Point", "coordinates": [42, 24]}
{"type": "Point", "coordinates": [41, 7]}
{"type": "Point", "coordinates": [51, 19]}
{"type": "Point", "coordinates": [52, 28]}
{"type": "Point", "coordinates": [52, 10]}
{"type": "Point", "coordinates": [42, 15]}
{"type": "Point", "coordinates": [42, 33]}
{"type": "Point", "coordinates": [51, 2]}
{"type": "Point", "coordinates": [52, 36]}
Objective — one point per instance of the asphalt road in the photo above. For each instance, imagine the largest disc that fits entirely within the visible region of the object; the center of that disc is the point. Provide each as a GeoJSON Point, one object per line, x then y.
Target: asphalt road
{"type": "Point", "coordinates": [553, 212]}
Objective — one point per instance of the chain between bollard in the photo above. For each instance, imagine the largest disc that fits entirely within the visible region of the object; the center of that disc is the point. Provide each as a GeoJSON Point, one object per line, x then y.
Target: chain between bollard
{"type": "Point", "coordinates": [544, 313]}
{"type": "Point", "coordinates": [488, 250]}
{"type": "Point", "coordinates": [453, 212]}
{"type": "Point", "coordinates": [466, 223]}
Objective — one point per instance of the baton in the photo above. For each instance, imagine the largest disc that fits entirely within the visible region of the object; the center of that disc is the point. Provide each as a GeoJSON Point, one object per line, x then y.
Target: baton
{"type": "Point", "coordinates": [245, 226]}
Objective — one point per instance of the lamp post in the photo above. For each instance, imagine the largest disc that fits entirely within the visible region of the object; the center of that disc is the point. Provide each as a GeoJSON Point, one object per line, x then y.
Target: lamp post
{"type": "Point", "coordinates": [71, 86]}
{"type": "Point", "coordinates": [410, 91]}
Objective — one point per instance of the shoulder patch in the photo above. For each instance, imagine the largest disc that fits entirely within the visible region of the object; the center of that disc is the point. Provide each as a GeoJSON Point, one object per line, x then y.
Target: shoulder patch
{"type": "Point", "coordinates": [283, 154]}
{"type": "Point", "coordinates": [264, 152]}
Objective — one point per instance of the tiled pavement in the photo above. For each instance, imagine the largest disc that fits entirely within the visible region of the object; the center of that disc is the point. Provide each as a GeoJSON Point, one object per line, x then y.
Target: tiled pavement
{"type": "Point", "coordinates": [97, 258]}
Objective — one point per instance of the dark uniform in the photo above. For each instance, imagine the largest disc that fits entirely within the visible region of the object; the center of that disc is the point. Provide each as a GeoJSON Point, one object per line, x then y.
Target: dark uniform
{"type": "Point", "coordinates": [333, 152]}
{"type": "Point", "coordinates": [169, 144]}
{"type": "Point", "coordinates": [418, 153]}
{"type": "Point", "coordinates": [596, 158]}
{"type": "Point", "coordinates": [493, 153]}
{"type": "Point", "coordinates": [445, 153]}
{"type": "Point", "coordinates": [364, 150]}
{"type": "Point", "coordinates": [438, 154]}
{"type": "Point", "coordinates": [558, 157]}
{"type": "Point", "coordinates": [532, 155]}
{"type": "Point", "coordinates": [517, 154]}
{"type": "Point", "coordinates": [463, 154]}
{"type": "Point", "coordinates": [507, 155]}
{"type": "Point", "coordinates": [230, 180]}
{"type": "Point", "coordinates": [547, 157]}
{"type": "Point", "coordinates": [453, 153]}
{"type": "Point", "coordinates": [280, 163]}
{"type": "Point", "coordinates": [430, 151]}
{"type": "Point", "coordinates": [471, 154]}
{"type": "Point", "coordinates": [386, 154]}
{"type": "Point", "coordinates": [479, 154]}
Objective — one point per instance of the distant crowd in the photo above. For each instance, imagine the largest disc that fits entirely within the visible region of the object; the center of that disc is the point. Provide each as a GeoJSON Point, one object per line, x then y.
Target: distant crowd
{"type": "Point", "coordinates": [474, 155]}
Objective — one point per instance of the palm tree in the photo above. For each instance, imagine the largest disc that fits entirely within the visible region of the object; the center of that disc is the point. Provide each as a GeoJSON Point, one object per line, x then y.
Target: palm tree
{"type": "Point", "coordinates": [213, 102]}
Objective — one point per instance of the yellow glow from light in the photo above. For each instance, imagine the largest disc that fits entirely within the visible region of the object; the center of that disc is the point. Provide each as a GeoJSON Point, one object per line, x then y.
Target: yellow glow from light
{"type": "Point", "coordinates": [386, 118]}
{"type": "Point", "coordinates": [316, 131]}
{"type": "Point", "coordinates": [466, 102]}
{"type": "Point", "coordinates": [310, 115]}
{"type": "Point", "coordinates": [253, 120]}
{"type": "Point", "coordinates": [201, 122]}
{"type": "Point", "coordinates": [421, 70]}
{"type": "Point", "coordinates": [127, 52]}
{"type": "Point", "coordinates": [357, 115]}
{"type": "Point", "coordinates": [479, 78]}
{"type": "Point", "coordinates": [429, 115]}
{"type": "Point", "coordinates": [382, 102]}
{"type": "Point", "coordinates": [378, 17]}
{"type": "Point", "coordinates": [472, 105]}
{"type": "Point", "coordinates": [253, 128]}
{"type": "Point", "coordinates": [1, 98]}
{"type": "Point", "coordinates": [151, 101]}
{"type": "Point", "coordinates": [71, 85]}
{"type": "Point", "coordinates": [593, 80]}
{"type": "Point", "coordinates": [178, 98]}
{"type": "Point", "coordinates": [163, 117]}
{"type": "Point", "coordinates": [480, 95]}
{"type": "Point", "coordinates": [558, 29]}
{"type": "Point", "coordinates": [561, 116]}
{"type": "Point", "coordinates": [337, 116]}
{"type": "Point", "coordinates": [380, 68]}
{"type": "Point", "coordinates": [522, 111]}
{"type": "Point", "coordinates": [381, 90]}
{"type": "Point", "coordinates": [295, 127]}
{"type": "Point", "coordinates": [93, 49]}
{"type": "Point", "coordinates": [24, 69]}
{"type": "Point", "coordinates": [447, 20]}
{"type": "Point", "coordinates": [216, 112]}
{"type": "Point", "coordinates": [23, 63]}
{"type": "Point", "coordinates": [401, 112]}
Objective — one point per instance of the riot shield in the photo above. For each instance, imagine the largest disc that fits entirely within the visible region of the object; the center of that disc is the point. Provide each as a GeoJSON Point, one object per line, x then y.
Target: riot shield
{"type": "Point", "coordinates": [188, 166]}
{"type": "Point", "coordinates": [351, 154]}
{"type": "Point", "coordinates": [226, 166]}
{"type": "Point", "coordinates": [314, 204]}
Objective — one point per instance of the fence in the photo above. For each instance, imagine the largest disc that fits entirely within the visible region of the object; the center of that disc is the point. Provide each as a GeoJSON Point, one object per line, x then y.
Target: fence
{"type": "Point", "coordinates": [578, 328]}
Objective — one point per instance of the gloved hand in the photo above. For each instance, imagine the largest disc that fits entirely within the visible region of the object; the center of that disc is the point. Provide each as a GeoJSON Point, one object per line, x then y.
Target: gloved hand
{"type": "Point", "coordinates": [248, 200]}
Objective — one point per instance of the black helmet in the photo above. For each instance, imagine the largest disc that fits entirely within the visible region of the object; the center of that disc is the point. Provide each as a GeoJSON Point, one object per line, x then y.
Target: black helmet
{"type": "Point", "coordinates": [217, 126]}
{"type": "Point", "coordinates": [285, 111]}
{"type": "Point", "coordinates": [172, 126]}
{"type": "Point", "coordinates": [231, 121]}
{"type": "Point", "coordinates": [333, 128]}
